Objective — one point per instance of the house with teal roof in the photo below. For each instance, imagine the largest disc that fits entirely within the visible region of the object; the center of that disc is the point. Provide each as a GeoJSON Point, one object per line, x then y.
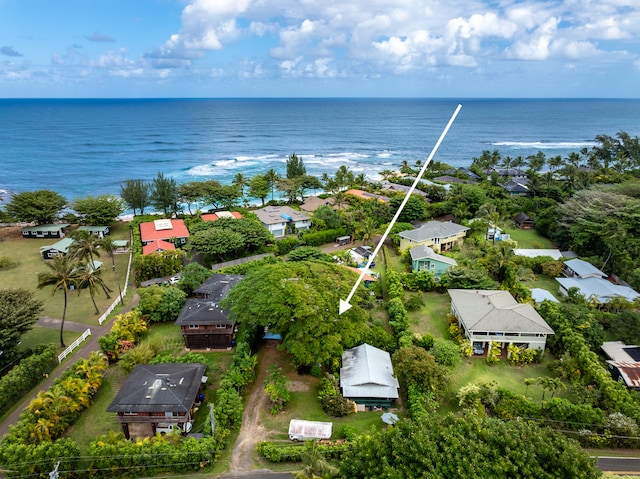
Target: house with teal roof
{"type": "Point", "coordinates": [424, 258]}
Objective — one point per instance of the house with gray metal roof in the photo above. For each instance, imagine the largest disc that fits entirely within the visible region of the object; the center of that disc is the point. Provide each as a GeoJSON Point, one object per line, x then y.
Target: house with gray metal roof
{"type": "Point", "coordinates": [494, 316]}
{"type": "Point", "coordinates": [59, 248]}
{"type": "Point", "coordinates": [578, 268]}
{"type": "Point", "coordinates": [281, 219]}
{"type": "Point", "coordinates": [539, 295]}
{"type": "Point", "coordinates": [599, 290]}
{"type": "Point", "coordinates": [423, 258]}
{"type": "Point", "coordinates": [99, 231]}
{"type": "Point", "coordinates": [44, 231]}
{"type": "Point", "coordinates": [156, 394]}
{"type": "Point", "coordinates": [366, 377]}
{"type": "Point", "coordinates": [439, 235]}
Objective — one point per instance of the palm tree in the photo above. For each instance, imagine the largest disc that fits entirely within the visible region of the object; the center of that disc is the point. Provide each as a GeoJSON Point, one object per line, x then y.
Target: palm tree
{"type": "Point", "coordinates": [109, 247]}
{"type": "Point", "coordinates": [272, 177]}
{"type": "Point", "coordinates": [528, 382]}
{"type": "Point", "coordinates": [85, 246]}
{"type": "Point", "coordinates": [491, 215]}
{"type": "Point", "coordinates": [63, 275]}
{"type": "Point", "coordinates": [240, 181]}
{"type": "Point", "coordinates": [90, 278]}
{"type": "Point", "coordinates": [367, 228]}
{"type": "Point", "coordinates": [316, 466]}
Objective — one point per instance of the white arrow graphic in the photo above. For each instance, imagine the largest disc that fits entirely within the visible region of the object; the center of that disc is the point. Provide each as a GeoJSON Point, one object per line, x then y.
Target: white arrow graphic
{"type": "Point", "coordinates": [345, 304]}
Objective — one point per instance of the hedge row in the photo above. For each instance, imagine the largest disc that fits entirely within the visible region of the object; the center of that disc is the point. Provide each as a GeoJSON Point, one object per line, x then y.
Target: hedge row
{"type": "Point", "coordinates": [26, 375]}
{"type": "Point", "coordinates": [321, 237]}
{"type": "Point", "coordinates": [276, 453]}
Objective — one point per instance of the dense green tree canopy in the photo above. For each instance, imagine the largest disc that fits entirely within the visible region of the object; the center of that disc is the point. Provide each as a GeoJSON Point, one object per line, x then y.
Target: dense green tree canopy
{"type": "Point", "coordinates": [161, 303]}
{"type": "Point", "coordinates": [603, 224]}
{"type": "Point", "coordinates": [157, 265]}
{"type": "Point", "coordinates": [19, 310]}
{"type": "Point", "coordinates": [300, 300]}
{"type": "Point", "coordinates": [164, 194]}
{"type": "Point", "coordinates": [193, 275]}
{"type": "Point", "coordinates": [42, 206]}
{"type": "Point", "coordinates": [473, 447]}
{"type": "Point", "coordinates": [227, 237]}
{"type": "Point", "coordinates": [416, 367]}
{"type": "Point", "coordinates": [136, 194]}
{"type": "Point", "coordinates": [414, 209]}
{"type": "Point", "coordinates": [98, 210]}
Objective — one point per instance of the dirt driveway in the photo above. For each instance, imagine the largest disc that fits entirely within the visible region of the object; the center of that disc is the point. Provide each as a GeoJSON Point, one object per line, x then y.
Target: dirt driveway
{"type": "Point", "coordinates": [252, 430]}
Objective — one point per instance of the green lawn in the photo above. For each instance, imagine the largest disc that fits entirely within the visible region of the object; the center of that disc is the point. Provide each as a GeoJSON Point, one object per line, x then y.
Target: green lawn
{"type": "Point", "coordinates": [40, 335]}
{"type": "Point", "coordinates": [432, 317]}
{"type": "Point", "coordinates": [96, 421]}
{"type": "Point", "coordinates": [529, 239]}
{"type": "Point", "coordinates": [26, 251]}
{"type": "Point", "coordinates": [476, 370]}
{"type": "Point", "coordinates": [545, 282]}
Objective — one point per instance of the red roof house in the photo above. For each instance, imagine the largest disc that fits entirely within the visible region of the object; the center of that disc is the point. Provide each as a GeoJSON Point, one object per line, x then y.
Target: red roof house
{"type": "Point", "coordinates": [221, 214]}
{"type": "Point", "coordinates": [173, 231]}
{"type": "Point", "coordinates": [156, 246]}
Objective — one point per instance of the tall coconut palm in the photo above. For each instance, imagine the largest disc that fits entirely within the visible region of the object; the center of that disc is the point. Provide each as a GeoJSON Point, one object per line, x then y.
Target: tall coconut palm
{"type": "Point", "coordinates": [89, 277]}
{"type": "Point", "coordinates": [272, 177]}
{"type": "Point", "coordinates": [63, 275]}
{"type": "Point", "coordinates": [85, 246]}
{"type": "Point", "coordinates": [109, 247]}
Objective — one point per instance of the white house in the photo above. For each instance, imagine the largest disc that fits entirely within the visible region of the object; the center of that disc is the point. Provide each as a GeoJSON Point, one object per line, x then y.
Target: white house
{"type": "Point", "coordinates": [488, 316]}
{"type": "Point", "coordinates": [281, 219]}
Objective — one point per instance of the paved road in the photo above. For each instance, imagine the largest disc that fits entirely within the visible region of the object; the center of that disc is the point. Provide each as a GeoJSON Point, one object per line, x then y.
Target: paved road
{"type": "Point", "coordinates": [89, 346]}
{"type": "Point", "coordinates": [620, 465]}
{"type": "Point", "coordinates": [259, 474]}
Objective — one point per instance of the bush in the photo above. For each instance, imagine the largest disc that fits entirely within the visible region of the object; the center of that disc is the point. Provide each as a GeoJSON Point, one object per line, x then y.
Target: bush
{"type": "Point", "coordinates": [22, 378]}
{"type": "Point", "coordinates": [331, 401]}
{"type": "Point", "coordinates": [321, 237]}
{"type": "Point", "coordinates": [286, 245]}
{"type": "Point", "coordinates": [276, 388]}
{"type": "Point", "coordinates": [447, 353]}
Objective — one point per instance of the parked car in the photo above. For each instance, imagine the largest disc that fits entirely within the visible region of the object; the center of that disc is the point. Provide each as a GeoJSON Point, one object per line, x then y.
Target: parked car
{"type": "Point", "coordinates": [174, 279]}
{"type": "Point", "coordinates": [478, 349]}
{"type": "Point", "coordinates": [165, 428]}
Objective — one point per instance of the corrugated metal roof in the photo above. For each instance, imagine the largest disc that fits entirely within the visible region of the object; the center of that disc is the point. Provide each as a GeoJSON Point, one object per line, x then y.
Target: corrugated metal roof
{"type": "Point", "coordinates": [630, 372]}
{"type": "Point", "coordinates": [367, 372]}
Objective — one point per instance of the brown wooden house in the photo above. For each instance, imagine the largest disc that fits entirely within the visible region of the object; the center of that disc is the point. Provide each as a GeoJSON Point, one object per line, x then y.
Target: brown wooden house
{"type": "Point", "coordinates": [524, 221]}
{"type": "Point", "coordinates": [203, 322]}
{"type": "Point", "coordinates": [156, 397]}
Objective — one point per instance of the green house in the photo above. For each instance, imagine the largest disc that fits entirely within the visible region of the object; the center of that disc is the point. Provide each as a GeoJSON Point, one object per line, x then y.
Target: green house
{"type": "Point", "coordinates": [424, 258]}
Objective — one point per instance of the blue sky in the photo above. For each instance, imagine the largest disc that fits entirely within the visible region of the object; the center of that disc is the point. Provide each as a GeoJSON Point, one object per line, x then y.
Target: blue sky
{"type": "Point", "coordinates": [319, 48]}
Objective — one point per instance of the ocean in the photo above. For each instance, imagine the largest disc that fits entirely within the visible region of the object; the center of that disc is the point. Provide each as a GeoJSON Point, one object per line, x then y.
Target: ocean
{"type": "Point", "coordinates": [89, 147]}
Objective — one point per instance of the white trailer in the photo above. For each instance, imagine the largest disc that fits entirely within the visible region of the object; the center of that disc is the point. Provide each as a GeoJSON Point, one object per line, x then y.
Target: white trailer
{"type": "Point", "coordinates": [301, 430]}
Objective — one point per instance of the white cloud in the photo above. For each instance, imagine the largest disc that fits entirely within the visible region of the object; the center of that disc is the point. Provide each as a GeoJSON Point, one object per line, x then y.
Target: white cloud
{"type": "Point", "coordinates": [536, 45]}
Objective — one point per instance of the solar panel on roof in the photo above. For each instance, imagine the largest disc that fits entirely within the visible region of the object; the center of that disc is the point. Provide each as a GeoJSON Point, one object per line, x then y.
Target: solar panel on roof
{"type": "Point", "coordinates": [163, 224]}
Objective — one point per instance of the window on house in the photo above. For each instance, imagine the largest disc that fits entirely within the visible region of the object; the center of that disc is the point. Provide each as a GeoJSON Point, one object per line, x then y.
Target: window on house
{"type": "Point", "coordinates": [194, 326]}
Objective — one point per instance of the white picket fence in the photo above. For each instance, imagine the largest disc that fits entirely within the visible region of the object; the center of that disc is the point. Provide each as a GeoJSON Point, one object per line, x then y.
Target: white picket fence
{"type": "Point", "coordinates": [106, 314]}
{"type": "Point", "coordinates": [74, 345]}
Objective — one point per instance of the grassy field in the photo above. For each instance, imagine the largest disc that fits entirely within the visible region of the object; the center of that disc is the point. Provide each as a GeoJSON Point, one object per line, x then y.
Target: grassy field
{"type": "Point", "coordinates": [432, 317]}
{"type": "Point", "coordinates": [26, 251]}
{"type": "Point", "coordinates": [529, 239]}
